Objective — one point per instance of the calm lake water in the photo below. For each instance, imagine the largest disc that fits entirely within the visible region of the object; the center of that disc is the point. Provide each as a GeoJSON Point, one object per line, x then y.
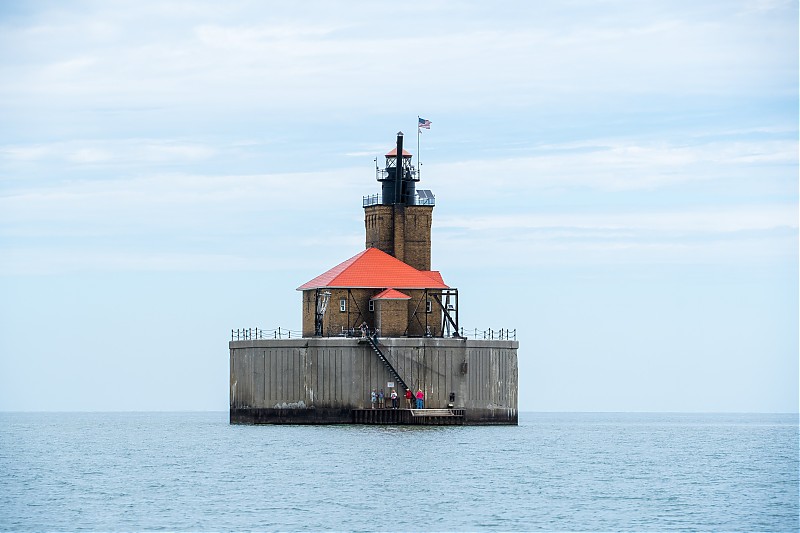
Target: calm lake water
{"type": "Point", "coordinates": [557, 472]}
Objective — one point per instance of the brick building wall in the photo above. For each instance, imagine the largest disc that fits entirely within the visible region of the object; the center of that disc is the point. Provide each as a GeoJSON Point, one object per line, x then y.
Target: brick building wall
{"type": "Point", "coordinates": [391, 317]}
{"type": "Point", "coordinates": [401, 231]}
{"type": "Point", "coordinates": [418, 321]}
{"type": "Point", "coordinates": [379, 228]}
{"type": "Point", "coordinates": [417, 247]}
{"type": "Point", "coordinates": [335, 320]}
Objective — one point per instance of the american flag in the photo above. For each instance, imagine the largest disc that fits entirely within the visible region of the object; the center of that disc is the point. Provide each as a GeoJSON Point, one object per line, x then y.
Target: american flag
{"type": "Point", "coordinates": [424, 123]}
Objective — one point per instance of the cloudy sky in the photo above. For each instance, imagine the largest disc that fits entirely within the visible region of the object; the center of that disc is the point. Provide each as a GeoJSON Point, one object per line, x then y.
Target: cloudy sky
{"type": "Point", "coordinates": [616, 180]}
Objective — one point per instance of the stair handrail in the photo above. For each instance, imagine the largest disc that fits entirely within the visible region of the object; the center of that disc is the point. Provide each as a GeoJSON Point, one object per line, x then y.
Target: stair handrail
{"type": "Point", "coordinates": [373, 340]}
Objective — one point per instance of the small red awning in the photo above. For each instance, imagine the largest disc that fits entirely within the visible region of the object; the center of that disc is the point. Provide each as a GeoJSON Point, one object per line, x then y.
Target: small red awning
{"type": "Point", "coordinates": [391, 294]}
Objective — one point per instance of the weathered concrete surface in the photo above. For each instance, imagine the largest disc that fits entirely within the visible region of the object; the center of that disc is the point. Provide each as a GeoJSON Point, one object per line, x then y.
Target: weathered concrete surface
{"type": "Point", "coordinates": [258, 415]}
{"type": "Point", "coordinates": [322, 380]}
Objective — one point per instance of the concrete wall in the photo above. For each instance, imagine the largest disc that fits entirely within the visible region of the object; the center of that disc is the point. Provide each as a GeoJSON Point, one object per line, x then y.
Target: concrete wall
{"type": "Point", "coordinates": [320, 380]}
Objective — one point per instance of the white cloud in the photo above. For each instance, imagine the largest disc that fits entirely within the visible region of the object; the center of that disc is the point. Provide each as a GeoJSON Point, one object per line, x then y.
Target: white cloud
{"type": "Point", "coordinates": [617, 165]}
{"type": "Point", "coordinates": [739, 235]}
{"type": "Point", "coordinates": [202, 71]}
{"type": "Point", "coordinates": [164, 202]}
{"type": "Point", "coordinates": [25, 153]}
{"type": "Point", "coordinates": [36, 261]}
{"type": "Point", "coordinates": [122, 152]}
{"type": "Point", "coordinates": [88, 156]}
{"type": "Point", "coordinates": [256, 58]}
{"type": "Point", "coordinates": [709, 220]}
{"type": "Point", "coordinates": [250, 39]}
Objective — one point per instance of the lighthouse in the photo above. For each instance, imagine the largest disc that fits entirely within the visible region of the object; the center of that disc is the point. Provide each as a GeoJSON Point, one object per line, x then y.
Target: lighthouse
{"type": "Point", "coordinates": [381, 319]}
{"type": "Point", "coordinates": [397, 258]}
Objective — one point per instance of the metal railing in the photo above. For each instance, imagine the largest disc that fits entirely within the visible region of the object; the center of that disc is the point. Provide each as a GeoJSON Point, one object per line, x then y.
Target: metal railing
{"type": "Point", "coordinates": [490, 334]}
{"type": "Point", "coordinates": [373, 341]}
{"type": "Point", "coordinates": [382, 174]}
{"type": "Point", "coordinates": [251, 334]}
{"type": "Point", "coordinates": [254, 334]}
{"type": "Point", "coordinates": [375, 199]}
{"type": "Point", "coordinates": [372, 199]}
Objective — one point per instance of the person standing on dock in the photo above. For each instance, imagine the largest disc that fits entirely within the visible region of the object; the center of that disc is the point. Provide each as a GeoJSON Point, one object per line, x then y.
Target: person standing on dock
{"type": "Point", "coordinates": [373, 397]}
{"type": "Point", "coordinates": [393, 395]}
{"type": "Point", "coordinates": [409, 395]}
{"type": "Point", "coordinates": [420, 399]}
{"type": "Point", "coordinates": [381, 400]}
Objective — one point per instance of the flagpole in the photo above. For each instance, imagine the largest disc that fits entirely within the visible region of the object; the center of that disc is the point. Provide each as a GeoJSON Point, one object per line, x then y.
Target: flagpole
{"type": "Point", "coordinates": [418, 153]}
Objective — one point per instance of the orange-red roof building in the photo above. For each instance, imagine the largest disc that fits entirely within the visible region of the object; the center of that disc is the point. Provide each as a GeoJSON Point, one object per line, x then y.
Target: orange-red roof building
{"type": "Point", "coordinates": [389, 286]}
{"type": "Point", "coordinates": [375, 269]}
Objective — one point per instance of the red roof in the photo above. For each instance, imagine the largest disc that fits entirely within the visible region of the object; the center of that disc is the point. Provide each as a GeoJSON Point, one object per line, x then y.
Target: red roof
{"type": "Point", "coordinates": [434, 274]}
{"type": "Point", "coordinates": [393, 153]}
{"type": "Point", "coordinates": [374, 269]}
{"type": "Point", "coordinates": [391, 294]}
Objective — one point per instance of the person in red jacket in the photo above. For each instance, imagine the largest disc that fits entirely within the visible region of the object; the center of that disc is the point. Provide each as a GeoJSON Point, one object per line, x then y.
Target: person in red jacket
{"type": "Point", "coordinates": [420, 399]}
{"type": "Point", "coordinates": [409, 395]}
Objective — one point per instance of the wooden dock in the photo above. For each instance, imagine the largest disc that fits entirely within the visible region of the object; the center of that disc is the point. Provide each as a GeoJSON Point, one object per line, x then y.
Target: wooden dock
{"type": "Point", "coordinates": [408, 417]}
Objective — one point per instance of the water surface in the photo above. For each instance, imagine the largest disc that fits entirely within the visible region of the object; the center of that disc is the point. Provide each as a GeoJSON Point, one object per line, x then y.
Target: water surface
{"type": "Point", "coordinates": [556, 472]}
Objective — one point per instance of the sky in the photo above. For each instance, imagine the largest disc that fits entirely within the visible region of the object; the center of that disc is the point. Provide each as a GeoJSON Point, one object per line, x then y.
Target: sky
{"type": "Point", "coordinates": [615, 180]}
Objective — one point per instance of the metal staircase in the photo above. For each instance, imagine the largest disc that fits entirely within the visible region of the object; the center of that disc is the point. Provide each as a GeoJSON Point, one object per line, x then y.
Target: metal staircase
{"type": "Point", "coordinates": [373, 342]}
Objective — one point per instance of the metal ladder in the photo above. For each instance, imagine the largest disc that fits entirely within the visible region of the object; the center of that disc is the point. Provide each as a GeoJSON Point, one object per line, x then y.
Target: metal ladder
{"type": "Point", "coordinates": [373, 341]}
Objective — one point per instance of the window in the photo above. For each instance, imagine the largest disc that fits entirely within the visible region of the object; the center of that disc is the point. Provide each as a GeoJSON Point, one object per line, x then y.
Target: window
{"type": "Point", "coordinates": [342, 305]}
{"type": "Point", "coordinates": [429, 307]}
{"type": "Point", "coordinates": [372, 306]}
